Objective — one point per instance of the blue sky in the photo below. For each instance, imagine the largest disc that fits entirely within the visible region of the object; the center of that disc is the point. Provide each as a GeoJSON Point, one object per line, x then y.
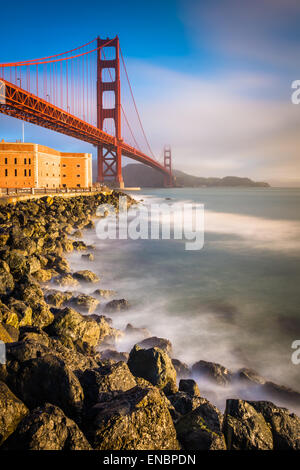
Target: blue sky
{"type": "Point", "coordinates": [212, 78]}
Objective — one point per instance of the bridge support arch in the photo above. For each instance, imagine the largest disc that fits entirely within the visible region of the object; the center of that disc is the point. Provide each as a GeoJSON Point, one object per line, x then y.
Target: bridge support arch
{"type": "Point", "coordinates": [109, 158]}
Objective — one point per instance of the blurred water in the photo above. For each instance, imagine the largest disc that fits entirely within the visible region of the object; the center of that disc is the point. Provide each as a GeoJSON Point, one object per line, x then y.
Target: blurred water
{"type": "Point", "coordinates": [237, 300]}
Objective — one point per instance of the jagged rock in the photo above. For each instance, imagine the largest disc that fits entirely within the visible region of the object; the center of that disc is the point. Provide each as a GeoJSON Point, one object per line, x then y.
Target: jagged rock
{"type": "Point", "coordinates": [153, 365]}
{"type": "Point", "coordinates": [48, 379]}
{"type": "Point", "coordinates": [201, 429]}
{"type": "Point", "coordinates": [79, 245]}
{"type": "Point", "coordinates": [4, 335]}
{"type": "Point", "coordinates": [22, 310]}
{"type": "Point", "coordinates": [48, 428]}
{"type": "Point", "coordinates": [245, 428]}
{"type": "Point", "coordinates": [182, 369]}
{"type": "Point", "coordinates": [280, 393]}
{"type": "Point", "coordinates": [138, 419]}
{"type": "Point", "coordinates": [155, 342]}
{"type": "Point", "coordinates": [57, 297]}
{"type": "Point", "coordinates": [86, 276]}
{"type": "Point", "coordinates": [114, 355]}
{"type": "Point", "coordinates": [66, 280]}
{"type": "Point", "coordinates": [7, 283]}
{"type": "Point", "coordinates": [7, 316]}
{"type": "Point", "coordinates": [116, 305]}
{"type": "Point", "coordinates": [190, 387]}
{"type": "Point", "coordinates": [249, 377]}
{"type": "Point", "coordinates": [70, 324]}
{"type": "Point", "coordinates": [43, 275]}
{"type": "Point", "coordinates": [12, 411]}
{"type": "Point", "coordinates": [18, 264]}
{"type": "Point", "coordinates": [183, 403]}
{"type": "Point", "coordinates": [85, 303]}
{"type": "Point", "coordinates": [100, 382]}
{"type": "Point", "coordinates": [108, 334]}
{"type": "Point", "coordinates": [77, 234]}
{"type": "Point", "coordinates": [213, 372]}
{"type": "Point", "coordinates": [33, 264]}
{"type": "Point", "coordinates": [105, 293]}
{"type": "Point", "coordinates": [285, 426]}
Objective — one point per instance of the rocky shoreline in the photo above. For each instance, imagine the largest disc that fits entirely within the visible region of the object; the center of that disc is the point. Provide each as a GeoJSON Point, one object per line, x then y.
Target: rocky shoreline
{"type": "Point", "coordinates": [65, 386]}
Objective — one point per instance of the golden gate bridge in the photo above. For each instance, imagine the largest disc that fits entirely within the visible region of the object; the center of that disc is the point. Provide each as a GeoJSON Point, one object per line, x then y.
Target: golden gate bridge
{"type": "Point", "coordinates": [78, 93]}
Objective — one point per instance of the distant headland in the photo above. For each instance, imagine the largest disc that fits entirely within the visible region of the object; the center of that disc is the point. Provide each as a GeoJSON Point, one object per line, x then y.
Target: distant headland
{"type": "Point", "coordinates": [135, 174]}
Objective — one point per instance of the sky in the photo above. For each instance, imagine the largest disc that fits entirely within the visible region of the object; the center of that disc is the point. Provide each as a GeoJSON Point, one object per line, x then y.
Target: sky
{"type": "Point", "coordinates": [211, 78]}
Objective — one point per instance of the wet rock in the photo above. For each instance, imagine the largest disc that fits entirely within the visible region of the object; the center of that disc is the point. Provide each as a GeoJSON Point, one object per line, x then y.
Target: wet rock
{"type": "Point", "coordinates": [86, 276]}
{"type": "Point", "coordinates": [57, 298]}
{"type": "Point", "coordinates": [183, 403]}
{"type": "Point", "coordinates": [108, 334]}
{"type": "Point", "coordinates": [85, 303]}
{"type": "Point", "coordinates": [100, 382]}
{"type": "Point", "coordinates": [213, 372]}
{"type": "Point", "coordinates": [22, 310]}
{"type": "Point", "coordinates": [4, 335]}
{"type": "Point", "coordinates": [249, 377]}
{"type": "Point", "coordinates": [282, 394]}
{"type": "Point", "coordinates": [8, 316]}
{"type": "Point", "coordinates": [48, 379]}
{"type": "Point", "coordinates": [7, 283]}
{"type": "Point", "coordinates": [114, 355]}
{"type": "Point", "coordinates": [71, 324]}
{"type": "Point", "coordinates": [12, 411]}
{"type": "Point", "coordinates": [105, 293]}
{"type": "Point", "coordinates": [18, 264]}
{"type": "Point", "coordinates": [285, 426]}
{"type": "Point", "coordinates": [133, 331]}
{"type": "Point", "coordinates": [155, 342]}
{"type": "Point", "coordinates": [201, 429]}
{"type": "Point", "coordinates": [48, 428]}
{"type": "Point", "coordinates": [182, 369]}
{"type": "Point", "coordinates": [155, 366]}
{"type": "Point", "coordinates": [66, 280]}
{"type": "Point", "coordinates": [138, 419]}
{"type": "Point", "coordinates": [190, 387]}
{"type": "Point", "coordinates": [117, 305]}
{"type": "Point", "coordinates": [43, 275]}
{"type": "Point", "coordinates": [245, 428]}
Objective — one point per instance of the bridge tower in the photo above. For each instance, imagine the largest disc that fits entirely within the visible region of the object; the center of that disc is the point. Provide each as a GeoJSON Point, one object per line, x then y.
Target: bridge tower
{"type": "Point", "coordinates": [168, 179]}
{"type": "Point", "coordinates": [109, 159]}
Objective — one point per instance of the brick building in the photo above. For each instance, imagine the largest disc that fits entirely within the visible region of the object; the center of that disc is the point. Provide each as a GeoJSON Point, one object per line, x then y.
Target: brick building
{"type": "Point", "coordinates": [24, 165]}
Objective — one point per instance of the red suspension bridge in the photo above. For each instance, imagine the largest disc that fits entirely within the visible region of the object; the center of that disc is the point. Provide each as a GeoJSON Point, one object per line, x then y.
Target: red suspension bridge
{"type": "Point", "coordinates": [78, 93]}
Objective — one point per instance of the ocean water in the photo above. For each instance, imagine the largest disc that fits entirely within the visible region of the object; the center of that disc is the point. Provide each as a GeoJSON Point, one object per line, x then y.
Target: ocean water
{"type": "Point", "coordinates": [236, 301]}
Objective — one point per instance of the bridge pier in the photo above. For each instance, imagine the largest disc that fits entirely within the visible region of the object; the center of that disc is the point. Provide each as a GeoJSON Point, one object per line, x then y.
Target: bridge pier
{"type": "Point", "coordinates": [168, 178]}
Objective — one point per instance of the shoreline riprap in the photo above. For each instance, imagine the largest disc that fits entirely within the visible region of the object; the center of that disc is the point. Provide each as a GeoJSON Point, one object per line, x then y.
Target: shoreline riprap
{"type": "Point", "coordinates": [65, 386]}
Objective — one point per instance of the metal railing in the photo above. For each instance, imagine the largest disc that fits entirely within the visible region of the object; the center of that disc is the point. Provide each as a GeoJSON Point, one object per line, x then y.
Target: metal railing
{"type": "Point", "coordinates": [20, 191]}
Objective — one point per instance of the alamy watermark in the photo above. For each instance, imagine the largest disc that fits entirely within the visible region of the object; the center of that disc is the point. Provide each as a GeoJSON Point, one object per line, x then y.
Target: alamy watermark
{"type": "Point", "coordinates": [296, 354]}
{"type": "Point", "coordinates": [163, 221]}
{"type": "Point", "coordinates": [2, 353]}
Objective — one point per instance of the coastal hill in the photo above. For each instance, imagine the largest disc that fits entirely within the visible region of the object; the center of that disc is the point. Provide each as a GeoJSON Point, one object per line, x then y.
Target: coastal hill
{"type": "Point", "coordinates": [135, 174]}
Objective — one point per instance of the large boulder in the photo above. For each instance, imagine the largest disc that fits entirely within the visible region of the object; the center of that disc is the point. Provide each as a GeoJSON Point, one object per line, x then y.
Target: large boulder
{"type": "Point", "coordinates": [86, 276]}
{"type": "Point", "coordinates": [7, 283]}
{"type": "Point", "coordinates": [85, 303]}
{"type": "Point", "coordinates": [285, 426]}
{"type": "Point", "coordinates": [48, 379]}
{"type": "Point", "coordinates": [138, 419]}
{"type": "Point", "coordinates": [48, 428]}
{"type": "Point", "coordinates": [155, 342]}
{"type": "Point", "coordinates": [201, 429]}
{"type": "Point", "coordinates": [213, 372]}
{"type": "Point", "coordinates": [155, 366]}
{"type": "Point", "coordinates": [117, 305]}
{"type": "Point", "coordinates": [4, 334]}
{"type": "Point", "coordinates": [190, 387]}
{"type": "Point", "coordinates": [68, 323]}
{"type": "Point", "coordinates": [183, 402]}
{"type": "Point", "coordinates": [57, 298]}
{"type": "Point", "coordinates": [182, 369]}
{"type": "Point", "coordinates": [245, 428]}
{"type": "Point", "coordinates": [22, 310]}
{"type": "Point", "coordinates": [99, 383]}
{"type": "Point", "coordinates": [12, 411]}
